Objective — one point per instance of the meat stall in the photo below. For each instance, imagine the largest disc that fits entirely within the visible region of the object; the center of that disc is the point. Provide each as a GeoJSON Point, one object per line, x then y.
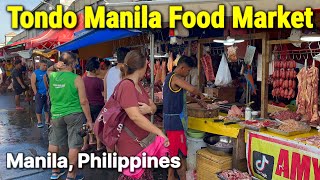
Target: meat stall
{"type": "Point", "coordinates": [292, 131]}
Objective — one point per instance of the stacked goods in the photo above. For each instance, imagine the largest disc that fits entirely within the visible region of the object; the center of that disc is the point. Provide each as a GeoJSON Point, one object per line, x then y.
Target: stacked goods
{"type": "Point", "coordinates": [284, 79]}
{"type": "Point", "coordinates": [307, 99]}
{"type": "Point", "coordinates": [208, 69]}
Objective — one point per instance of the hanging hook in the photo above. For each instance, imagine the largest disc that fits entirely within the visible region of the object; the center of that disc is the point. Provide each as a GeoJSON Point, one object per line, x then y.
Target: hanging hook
{"type": "Point", "coordinates": [292, 58]}
{"type": "Point", "coordinates": [310, 49]}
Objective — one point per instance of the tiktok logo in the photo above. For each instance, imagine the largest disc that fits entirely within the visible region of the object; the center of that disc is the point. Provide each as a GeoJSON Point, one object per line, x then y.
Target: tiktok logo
{"type": "Point", "coordinates": [263, 165]}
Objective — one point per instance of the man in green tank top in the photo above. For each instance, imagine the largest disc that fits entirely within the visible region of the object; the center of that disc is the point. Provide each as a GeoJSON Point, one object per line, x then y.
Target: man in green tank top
{"type": "Point", "coordinates": [69, 108]}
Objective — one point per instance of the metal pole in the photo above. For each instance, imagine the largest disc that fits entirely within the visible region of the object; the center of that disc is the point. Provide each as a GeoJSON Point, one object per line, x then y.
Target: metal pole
{"type": "Point", "coordinates": [152, 69]}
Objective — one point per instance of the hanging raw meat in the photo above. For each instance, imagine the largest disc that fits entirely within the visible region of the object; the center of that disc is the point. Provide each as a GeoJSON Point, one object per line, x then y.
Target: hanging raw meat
{"type": "Point", "coordinates": [208, 69]}
{"type": "Point", "coordinates": [307, 98]}
{"type": "Point", "coordinates": [284, 78]}
{"type": "Point", "coordinates": [170, 62]}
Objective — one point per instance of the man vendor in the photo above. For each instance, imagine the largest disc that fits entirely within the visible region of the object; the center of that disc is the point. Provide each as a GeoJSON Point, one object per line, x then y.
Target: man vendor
{"type": "Point", "coordinates": [174, 111]}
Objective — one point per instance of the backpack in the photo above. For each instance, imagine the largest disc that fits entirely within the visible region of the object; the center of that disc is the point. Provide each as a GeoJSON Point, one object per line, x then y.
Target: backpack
{"type": "Point", "coordinates": [110, 120]}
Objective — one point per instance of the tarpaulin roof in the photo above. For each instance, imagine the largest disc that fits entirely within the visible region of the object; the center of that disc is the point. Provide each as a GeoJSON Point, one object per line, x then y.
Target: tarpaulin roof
{"type": "Point", "coordinates": [86, 37]}
{"type": "Point", "coordinates": [52, 37]}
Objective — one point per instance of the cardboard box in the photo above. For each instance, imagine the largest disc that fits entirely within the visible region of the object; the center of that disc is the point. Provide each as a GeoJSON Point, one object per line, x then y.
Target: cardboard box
{"type": "Point", "coordinates": [223, 93]}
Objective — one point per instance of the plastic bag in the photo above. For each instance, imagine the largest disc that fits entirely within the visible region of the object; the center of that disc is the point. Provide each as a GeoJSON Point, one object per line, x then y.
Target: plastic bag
{"type": "Point", "coordinates": [232, 54]}
{"type": "Point", "coordinates": [223, 77]}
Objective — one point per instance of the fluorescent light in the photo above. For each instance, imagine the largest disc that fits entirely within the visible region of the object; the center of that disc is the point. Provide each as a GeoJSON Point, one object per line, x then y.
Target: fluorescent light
{"type": "Point", "coordinates": [228, 43]}
{"type": "Point", "coordinates": [239, 41]}
{"type": "Point", "coordinates": [310, 38]}
{"type": "Point", "coordinates": [161, 56]}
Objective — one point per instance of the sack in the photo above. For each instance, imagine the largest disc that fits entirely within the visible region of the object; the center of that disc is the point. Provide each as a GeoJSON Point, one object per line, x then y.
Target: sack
{"type": "Point", "coordinates": [144, 142]}
{"type": "Point", "coordinates": [110, 121]}
{"type": "Point", "coordinates": [223, 77]}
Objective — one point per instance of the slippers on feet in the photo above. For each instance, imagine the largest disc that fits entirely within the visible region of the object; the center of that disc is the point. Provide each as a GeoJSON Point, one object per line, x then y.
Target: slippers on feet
{"type": "Point", "coordinates": [78, 177]}
{"type": "Point", "coordinates": [57, 175]}
{"type": "Point", "coordinates": [100, 149]}
{"type": "Point", "coordinates": [85, 148]}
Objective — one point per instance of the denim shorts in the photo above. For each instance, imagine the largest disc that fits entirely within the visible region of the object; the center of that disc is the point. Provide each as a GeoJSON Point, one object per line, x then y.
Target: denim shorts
{"type": "Point", "coordinates": [41, 101]}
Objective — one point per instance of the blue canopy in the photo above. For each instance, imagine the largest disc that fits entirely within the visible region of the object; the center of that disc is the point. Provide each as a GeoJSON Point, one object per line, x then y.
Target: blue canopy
{"type": "Point", "coordinates": [89, 37]}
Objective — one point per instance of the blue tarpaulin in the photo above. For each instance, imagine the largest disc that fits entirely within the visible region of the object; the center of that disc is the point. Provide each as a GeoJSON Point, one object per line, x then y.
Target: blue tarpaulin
{"type": "Point", "coordinates": [89, 37]}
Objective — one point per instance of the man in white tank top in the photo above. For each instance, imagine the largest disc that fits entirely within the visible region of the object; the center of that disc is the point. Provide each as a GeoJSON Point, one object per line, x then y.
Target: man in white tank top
{"type": "Point", "coordinates": [113, 76]}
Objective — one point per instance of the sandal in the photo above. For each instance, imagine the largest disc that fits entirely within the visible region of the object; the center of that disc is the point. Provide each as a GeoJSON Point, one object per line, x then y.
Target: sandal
{"type": "Point", "coordinates": [57, 175]}
{"type": "Point", "coordinates": [85, 148]}
{"type": "Point", "coordinates": [78, 177]}
{"type": "Point", "coordinates": [100, 149]}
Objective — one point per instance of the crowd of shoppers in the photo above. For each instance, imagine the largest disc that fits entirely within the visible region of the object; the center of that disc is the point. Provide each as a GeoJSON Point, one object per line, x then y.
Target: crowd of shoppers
{"type": "Point", "coordinates": [72, 103]}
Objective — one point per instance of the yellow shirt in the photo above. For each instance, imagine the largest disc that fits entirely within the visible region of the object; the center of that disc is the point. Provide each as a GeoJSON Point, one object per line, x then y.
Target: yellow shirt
{"type": "Point", "coordinates": [8, 68]}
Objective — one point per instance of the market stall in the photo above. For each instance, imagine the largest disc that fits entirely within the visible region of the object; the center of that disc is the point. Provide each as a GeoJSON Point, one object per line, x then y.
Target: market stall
{"type": "Point", "coordinates": [291, 134]}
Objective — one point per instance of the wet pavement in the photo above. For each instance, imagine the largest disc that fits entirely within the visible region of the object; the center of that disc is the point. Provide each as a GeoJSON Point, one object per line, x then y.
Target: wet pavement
{"type": "Point", "coordinates": [19, 133]}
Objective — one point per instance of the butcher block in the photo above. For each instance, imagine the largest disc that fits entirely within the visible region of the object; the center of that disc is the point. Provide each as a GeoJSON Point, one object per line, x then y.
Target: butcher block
{"type": "Point", "coordinates": [223, 93]}
{"type": "Point", "coordinates": [195, 110]}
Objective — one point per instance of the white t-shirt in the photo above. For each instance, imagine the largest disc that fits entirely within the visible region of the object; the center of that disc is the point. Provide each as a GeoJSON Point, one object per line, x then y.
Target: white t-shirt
{"type": "Point", "coordinates": [112, 80]}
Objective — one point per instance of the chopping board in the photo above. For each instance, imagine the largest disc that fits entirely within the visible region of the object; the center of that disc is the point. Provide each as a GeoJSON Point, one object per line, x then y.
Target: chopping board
{"type": "Point", "coordinates": [195, 110]}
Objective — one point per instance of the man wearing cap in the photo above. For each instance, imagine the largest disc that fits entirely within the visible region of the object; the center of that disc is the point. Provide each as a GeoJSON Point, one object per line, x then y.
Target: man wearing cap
{"type": "Point", "coordinates": [18, 84]}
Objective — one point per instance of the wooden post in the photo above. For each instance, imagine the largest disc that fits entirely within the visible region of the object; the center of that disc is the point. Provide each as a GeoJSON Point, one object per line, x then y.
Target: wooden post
{"type": "Point", "coordinates": [265, 75]}
{"type": "Point", "coordinates": [239, 152]}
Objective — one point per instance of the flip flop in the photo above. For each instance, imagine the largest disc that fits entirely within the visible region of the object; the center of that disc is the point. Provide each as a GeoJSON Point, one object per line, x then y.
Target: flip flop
{"type": "Point", "coordinates": [57, 175]}
{"type": "Point", "coordinates": [100, 149]}
{"type": "Point", "coordinates": [78, 177]}
{"type": "Point", "coordinates": [84, 149]}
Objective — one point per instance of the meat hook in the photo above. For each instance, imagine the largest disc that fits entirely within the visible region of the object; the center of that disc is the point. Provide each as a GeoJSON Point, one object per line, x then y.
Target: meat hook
{"type": "Point", "coordinates": [299, 57]}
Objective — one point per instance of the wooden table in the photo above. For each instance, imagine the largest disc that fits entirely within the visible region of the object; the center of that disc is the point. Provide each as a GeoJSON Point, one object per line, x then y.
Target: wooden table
{"type": "Point", "coordinates": [234, 131]}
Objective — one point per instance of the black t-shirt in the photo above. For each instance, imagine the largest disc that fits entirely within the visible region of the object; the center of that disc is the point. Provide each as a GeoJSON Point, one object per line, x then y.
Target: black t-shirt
{"type": "Point", "coordinates": [16, 73]}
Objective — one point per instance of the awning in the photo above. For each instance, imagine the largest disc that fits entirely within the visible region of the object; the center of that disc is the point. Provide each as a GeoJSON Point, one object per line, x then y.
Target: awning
{"type": "Point", "coordinates": [51, 37]}
{"type": "Point", "coordinates": [86, 37]}
{"type": "Point", "coordinates": [27, 54]}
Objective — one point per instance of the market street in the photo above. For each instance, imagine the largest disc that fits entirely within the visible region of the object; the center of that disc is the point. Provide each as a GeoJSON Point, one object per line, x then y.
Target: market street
{"type": "Point", "coordinates": [19, 133]}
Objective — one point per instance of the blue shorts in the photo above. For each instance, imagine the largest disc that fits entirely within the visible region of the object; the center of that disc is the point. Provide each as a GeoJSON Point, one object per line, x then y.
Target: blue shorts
{"type": "Point", "coordinates": [41, 101]}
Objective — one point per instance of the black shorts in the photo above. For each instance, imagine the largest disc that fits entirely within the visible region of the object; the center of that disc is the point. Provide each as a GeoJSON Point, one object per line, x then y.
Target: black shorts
{"type": "Point", "coordinates": [41, 101]}
{"type": "Point", "coordinates": [18, 90]}
{"type": "Point", "coordinates": [95, 110]}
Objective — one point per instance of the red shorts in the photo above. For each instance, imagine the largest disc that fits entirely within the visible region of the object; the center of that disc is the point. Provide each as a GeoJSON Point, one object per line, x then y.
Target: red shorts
{"type": "Point", "coordinates": [178, 143]}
